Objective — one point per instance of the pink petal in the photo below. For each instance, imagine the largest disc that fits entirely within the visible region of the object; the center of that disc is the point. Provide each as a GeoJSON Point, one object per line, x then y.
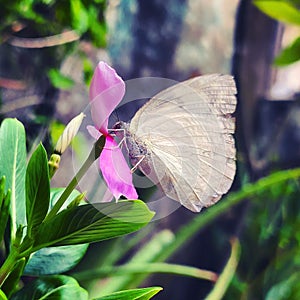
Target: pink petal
{"type": "Point", "coordinates": [115, 171]}
{"type": "Point", "coordinates": [94, 132]}
{"type": "Point", "coordinates": [108, 196]}
{"type": "Point", "coordinates": [106, 92]}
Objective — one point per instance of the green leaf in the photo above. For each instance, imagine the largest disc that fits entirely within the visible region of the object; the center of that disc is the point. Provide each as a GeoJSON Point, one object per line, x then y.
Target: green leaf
{"type": "Point", "coordinates": [59, 80]}
{"type": "Point", "coordinates": [55, 260]}
{"type": "Point", "coordinates": [13, 166]}
{"type": "Point", "coordinates": [80, 17]}
{"type": "Point", "coordinates": [134, 294]}
{"type": "Point", "coordinates": [52, 287]}
{"type": "Point", "coordinates": [37, 189]}
{"type": "Point", "coordinates": [289, 55]}
{"type": "Point", "coordinates": [279, 10]}
{"type": "Point", "coordinates": [92, 223]}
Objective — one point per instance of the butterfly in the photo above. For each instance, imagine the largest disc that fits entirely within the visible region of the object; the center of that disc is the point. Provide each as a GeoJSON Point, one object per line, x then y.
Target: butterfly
{"type": "Point", "coordinates": [182, 139]}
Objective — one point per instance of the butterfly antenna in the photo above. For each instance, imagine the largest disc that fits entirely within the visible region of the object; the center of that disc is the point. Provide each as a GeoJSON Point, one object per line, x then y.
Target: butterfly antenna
{"type": "Point", "coordinates": [117, 115]}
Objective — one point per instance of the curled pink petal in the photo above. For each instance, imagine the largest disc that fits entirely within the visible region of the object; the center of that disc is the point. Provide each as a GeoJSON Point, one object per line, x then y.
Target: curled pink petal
{"type": "Point", "coordinates": [108, 196]}
{"type": "Point", "coordinates": [106, 92]}
{"type": "Point", "coordinates": [94, 132]}
{"type": "Point", "coordinates": [115, 171]}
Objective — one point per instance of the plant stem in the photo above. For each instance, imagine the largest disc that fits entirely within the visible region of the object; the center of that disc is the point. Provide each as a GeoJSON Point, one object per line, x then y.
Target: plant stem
{"type": "Point", "coordinates": [225, 278]}
{"type": "Point", "coordinates": [147, 268]}
{"type": "Point", "coordinates": [94, 154]}
{"type": "Point", "coordinates": [8, 265]}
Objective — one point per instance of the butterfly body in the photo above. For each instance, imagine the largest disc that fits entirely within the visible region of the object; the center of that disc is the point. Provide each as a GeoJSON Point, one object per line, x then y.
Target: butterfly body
{"type": "Point", "coordinates": [139, 152]}
{"type": "Point", "coordinates": [182, 139]}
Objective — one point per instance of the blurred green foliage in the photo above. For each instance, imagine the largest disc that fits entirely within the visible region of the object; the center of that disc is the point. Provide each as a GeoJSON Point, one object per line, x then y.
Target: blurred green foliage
{"type": "Point", "coordinates": [56, 27]}
{"type": "Point", "coordinates": [48, 17]}
{"type": "Point", "coordinates": [270, 242]}
{"type": "Point", "coordinates": [287, 12]}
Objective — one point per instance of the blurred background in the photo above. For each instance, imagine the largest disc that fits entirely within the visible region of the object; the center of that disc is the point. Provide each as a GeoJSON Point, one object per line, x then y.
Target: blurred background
{"type": "Point", "coordinates": [48, 53]}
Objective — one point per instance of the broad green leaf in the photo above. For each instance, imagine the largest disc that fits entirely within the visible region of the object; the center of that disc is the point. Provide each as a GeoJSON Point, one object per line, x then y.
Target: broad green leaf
{"type": "Point", "coordinates": [289, 55]}
{"type": "Point", "coordinates": [55, 260]}
{"type": "Point", "coordinates": [37, 189]}
{"type": "Point", "coordinates": [288, 289]}
{"type": "Point", "coordinates": [92, 223]}
{"type": "Point", "coordinates": [134, 294]}
{"type": "Point", "coordinates": [59, 80]}
{"type": "Point", "coordinates": [80, 17]}
{"type": "Point", "coordinates": [52, 287]}
{"type": "Point", "coordinates": [279, 10]}
{"type": "Point", "coordinates": [13, 166]}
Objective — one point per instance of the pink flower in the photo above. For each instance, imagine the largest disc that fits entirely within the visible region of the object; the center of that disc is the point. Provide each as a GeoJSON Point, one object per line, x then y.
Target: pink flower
{"type": "Point", "coordinates": [106, 92]}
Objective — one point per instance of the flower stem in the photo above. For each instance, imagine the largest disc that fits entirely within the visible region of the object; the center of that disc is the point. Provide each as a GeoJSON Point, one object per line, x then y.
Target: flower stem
{"type": "Point", "coordinates": [94, 154]}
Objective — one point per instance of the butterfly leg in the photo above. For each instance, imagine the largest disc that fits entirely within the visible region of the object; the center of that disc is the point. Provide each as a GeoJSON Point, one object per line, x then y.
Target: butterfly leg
{"type": "Point", "coordinates": [141, 158]}
{"type": "Point", "coordinates": [122, 141]}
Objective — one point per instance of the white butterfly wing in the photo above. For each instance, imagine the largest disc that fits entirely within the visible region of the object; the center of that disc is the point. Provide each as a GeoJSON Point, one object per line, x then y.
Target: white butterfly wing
{"type": "Point", "coordinates": [187, 130]}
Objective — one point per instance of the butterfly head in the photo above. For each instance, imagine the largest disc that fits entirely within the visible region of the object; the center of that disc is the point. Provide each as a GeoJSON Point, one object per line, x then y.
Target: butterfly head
{"type": "Point", "coordinates": [120, 129]}
{"type": "Point", "coordinates": [120, 125]}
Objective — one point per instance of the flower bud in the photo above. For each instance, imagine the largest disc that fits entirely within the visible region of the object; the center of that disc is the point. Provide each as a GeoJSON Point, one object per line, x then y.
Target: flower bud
{"type": "Point", "coordinates": [68, 134]}
{"type": "Point", "coordinates": [53, 164]}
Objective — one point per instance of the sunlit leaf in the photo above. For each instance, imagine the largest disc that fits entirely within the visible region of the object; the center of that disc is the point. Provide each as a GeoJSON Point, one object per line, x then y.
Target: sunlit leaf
{"type": "Point", "coordinates": [289, 55]}
{"type": "Point", "coordinates": [13, 166]}
{"type": "Point", "coordinates": [134, 294]}
{"type": "Point", "coordinates": [52, 287]}
{"type": "Point", "coordinates": [37, 188]}
{"type": "Point", "coordinates": [279, 10]}
{"type": "Point", "coordinates": [2, 295]}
